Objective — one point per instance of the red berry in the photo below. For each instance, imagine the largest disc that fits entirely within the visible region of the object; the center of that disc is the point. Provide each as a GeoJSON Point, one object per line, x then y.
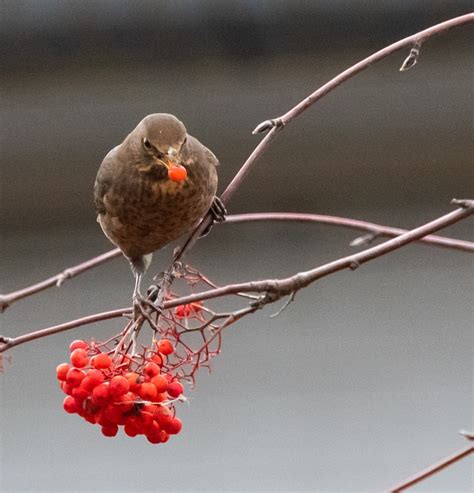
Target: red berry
{"type": "Point", "coordinates": [66, 388]}
{"type": "Point", "coordinates": [177, 173]}
{"type": "Point", "coordinates": [182, 311]}
{"type": "Point", "coordinates": [151, 369]}
{"type": "Point", "coordinates": [80, 393]}
{"type": "Point", "coordinates": [61, 371]}
{"type": "Point", "coordinates": [69, 405]}
{"type": "Point", "coordinates": [173, 426]}
{"type": "Point", "coordinates": [92, 379]}
{"type": "Point", "coordinates": [165, 347]}
{"type": "Point", "coordinates": [101, 361]}
{"type": "Point", "coordinates": [175, 389]}
{"type": "Point", "coordinates": [161, 415]}
{"type": "Point", "coordinates": [118, 386]}
{"type": "Point", "coordinates": [78, 344]}
{"type": "Point", "coordinates": [149, 408]}
{"type": "Point", "coordinates": [79, 358]}
{"type": "Point", "coordinates": [157, 359]}
{"type": "Point", "coordinates": [133, 380]}
{"type": "Point", "coordinates": [153, 433]}
{"type": "Point", "coordinates": [147, 391]}
{"type": "Point", "coordinates": [164, 437]}
{"type": "Point", "coordinates": [100, 394]}
{"type": "Point", "coordinates": [126, 401]}
{"type": "Point", "coordinates": [109, 430]}
{"type": "Point", "coordinates": [90, 418]}
{"type": "Point", "coordinates": [160, 382]}
{"type": "Point", "coordinates": [113, 414]}
{"type": "Point", "coordinates": [74, 377]}
{"type": "Point", "coordinates": [146, 419]}
{"type": "Point", "coordinates": [130, 429]}
{"type": "Point", "coordinates": [161, 397]}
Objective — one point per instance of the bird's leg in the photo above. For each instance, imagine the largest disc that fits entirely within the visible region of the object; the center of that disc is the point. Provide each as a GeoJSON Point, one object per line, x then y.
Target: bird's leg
{"type": "Point", "coordinates": [157, 293]}
{"type": "Point", "coordinates": [218, 213]}
{"type": "Point", "coordinates": [137, 296]}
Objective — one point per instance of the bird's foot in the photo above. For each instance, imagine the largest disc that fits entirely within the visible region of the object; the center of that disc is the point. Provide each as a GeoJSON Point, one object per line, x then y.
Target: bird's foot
{"type": "Point", "coordinates": [142, 306]}
{"type": "Point", "coordinates": [218, 213]}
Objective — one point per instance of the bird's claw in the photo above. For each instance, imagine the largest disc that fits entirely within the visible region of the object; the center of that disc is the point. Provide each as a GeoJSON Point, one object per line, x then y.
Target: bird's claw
{"type": "Point", "coordinates": [218, 210]}
{"type": "Point", "coordinates": [142, 303]}
{"type": "Point", "coordinates": [218, 213]}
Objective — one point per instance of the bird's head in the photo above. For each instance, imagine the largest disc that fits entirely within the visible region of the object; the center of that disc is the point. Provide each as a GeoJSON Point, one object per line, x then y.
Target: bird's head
{"type": "Point", "coordinates": [161, 137]}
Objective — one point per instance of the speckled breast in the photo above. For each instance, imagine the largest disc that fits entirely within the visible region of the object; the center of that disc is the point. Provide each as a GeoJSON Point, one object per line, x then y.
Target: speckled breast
{"type": "Point", "coordinates": [147, 213]}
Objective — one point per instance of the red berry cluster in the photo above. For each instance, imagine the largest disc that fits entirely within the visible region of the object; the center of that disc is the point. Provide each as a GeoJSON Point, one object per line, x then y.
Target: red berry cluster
{"type": "Point", "coordinates": [121, 391]}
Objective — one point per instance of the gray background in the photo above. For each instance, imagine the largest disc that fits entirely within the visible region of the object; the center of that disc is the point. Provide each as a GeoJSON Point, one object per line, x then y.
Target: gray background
{"type": "Point", "coordinates": [361, 382]}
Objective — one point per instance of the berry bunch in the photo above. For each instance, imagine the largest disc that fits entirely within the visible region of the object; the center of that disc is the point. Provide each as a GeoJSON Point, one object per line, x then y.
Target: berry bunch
{"type": "Point", "coordinates": [137, 393]}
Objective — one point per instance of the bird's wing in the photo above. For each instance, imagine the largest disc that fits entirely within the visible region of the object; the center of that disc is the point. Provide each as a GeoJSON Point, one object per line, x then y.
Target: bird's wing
{"type": "Point", "coordinates": [211, 157]}
{"type": "Point", "coordinates": [103, 182]}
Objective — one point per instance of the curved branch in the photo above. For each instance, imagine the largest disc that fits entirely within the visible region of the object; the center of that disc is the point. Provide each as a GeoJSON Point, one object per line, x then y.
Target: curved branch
{"type": "Point", "coordinates": [415, 40]}
{"type": "Point", "coordinates": [273, 288]}
{"type": "Point", "coordinates": [275, 124]}
{"type": "Point", "coordinates": [374, 229]}
{"type": "Point", "coordinates": [7, 299]}
{"type": "Point", "coordinates": [9, 342]}
{"type": "Point", "coordinates": [288, 285]}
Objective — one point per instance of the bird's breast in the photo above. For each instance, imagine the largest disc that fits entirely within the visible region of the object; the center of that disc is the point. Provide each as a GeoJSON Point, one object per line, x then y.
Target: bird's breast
{"type": "Point", "coordinates": [144, 213]}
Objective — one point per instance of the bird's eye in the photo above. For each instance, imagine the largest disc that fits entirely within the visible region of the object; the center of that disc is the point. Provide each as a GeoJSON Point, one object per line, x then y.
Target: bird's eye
{"type": "Point", "coordinates": [147, 145]}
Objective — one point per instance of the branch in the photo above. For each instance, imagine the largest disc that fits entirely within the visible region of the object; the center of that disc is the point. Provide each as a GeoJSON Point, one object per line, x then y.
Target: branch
{"type": "Point", "coordinates": [430, 471]}
{"type": "Point", "coordinates": [273, 289]}
{"type": "Point", "coordinates": [7, 299]}
{"type": "Point", "coordinates": [276, 124]}
{"type": "Point", "coordinates": [273, 125]}
{"type": "Point", "coordinates": [375, 230]}
{"type": "Point", "coordinates": [9, 342]}
{"type": "Point", "coordinates": [415, 41]}
{"type": "Point", "coordinates": [288, 285]}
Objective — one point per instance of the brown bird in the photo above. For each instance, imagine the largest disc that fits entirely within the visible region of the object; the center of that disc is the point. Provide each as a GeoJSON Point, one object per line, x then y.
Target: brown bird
{"type": "Point", "coordinates": [140, 208]}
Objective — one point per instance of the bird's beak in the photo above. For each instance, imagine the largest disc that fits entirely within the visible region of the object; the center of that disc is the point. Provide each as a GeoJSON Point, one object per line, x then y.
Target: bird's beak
{"type": "Point", "coordinates": [166, 162]}
{"type": "Point", "coordinates": [170, 160]}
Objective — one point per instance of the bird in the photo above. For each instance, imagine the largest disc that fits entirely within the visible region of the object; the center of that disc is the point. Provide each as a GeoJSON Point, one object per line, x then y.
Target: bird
{"type": "Point", "coordinates": [141, 207]}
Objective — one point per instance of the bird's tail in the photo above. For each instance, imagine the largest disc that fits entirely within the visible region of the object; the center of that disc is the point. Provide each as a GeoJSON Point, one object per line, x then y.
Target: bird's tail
{"type": "Point", "coordinates": [140, 264]}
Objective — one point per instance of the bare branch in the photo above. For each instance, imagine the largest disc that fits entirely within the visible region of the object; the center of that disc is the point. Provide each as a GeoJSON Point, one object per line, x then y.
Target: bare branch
{"type": "Point", "coordinates": [415, 40]}
{"type": "Point", "coordinates": [9, 342]}
{"type": "Point", "coordinates": [274, 289]}
{"type": "Point", "coordinates": [432, 470]}
{"type": "Point", "coordinates": [294, 283]}
{"type": "Point", "coordinates": [276, 124]}
{"type": "Point", "coordinates": [374, 229]}
{"type": "Point", "coordinates": [7, 299]}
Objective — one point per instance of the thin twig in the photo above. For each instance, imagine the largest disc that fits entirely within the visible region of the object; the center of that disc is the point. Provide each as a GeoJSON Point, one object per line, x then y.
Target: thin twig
{"type": "Point", "coordinates": [7, 299]}
{"type": "Point", "coordinates": [378, 229]}
{"type": "Point", "coordinates": [432, 470]}
{"type": "Point", "coordinates": [415, 40]}
{"type": "Point", "coordinates": [8, 343]}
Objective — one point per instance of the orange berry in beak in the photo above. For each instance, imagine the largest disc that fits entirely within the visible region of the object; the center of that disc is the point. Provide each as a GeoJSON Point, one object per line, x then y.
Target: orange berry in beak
{"type": "Point", "coordinates": [177, 173]}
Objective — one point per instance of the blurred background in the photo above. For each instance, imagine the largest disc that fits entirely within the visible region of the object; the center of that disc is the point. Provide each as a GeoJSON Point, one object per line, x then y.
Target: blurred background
{"type": "Point", "coordinates": [367, 377]}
